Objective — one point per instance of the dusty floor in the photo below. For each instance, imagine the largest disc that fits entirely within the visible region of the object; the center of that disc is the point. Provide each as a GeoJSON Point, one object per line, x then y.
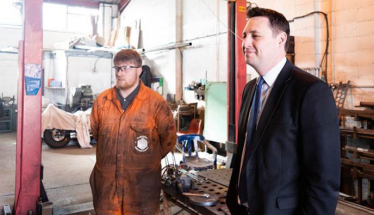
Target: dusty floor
{"type": "Point", "coordinates": [66, 174]}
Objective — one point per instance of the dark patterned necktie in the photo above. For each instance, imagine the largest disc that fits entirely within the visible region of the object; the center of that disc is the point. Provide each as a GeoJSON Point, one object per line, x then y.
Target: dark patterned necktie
{"type": "Point", "coordinates": [251, 127]}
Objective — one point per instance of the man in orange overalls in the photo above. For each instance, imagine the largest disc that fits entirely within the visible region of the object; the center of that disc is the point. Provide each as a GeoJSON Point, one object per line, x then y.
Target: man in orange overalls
{"type": "Point", "coordinates": [134, 129]}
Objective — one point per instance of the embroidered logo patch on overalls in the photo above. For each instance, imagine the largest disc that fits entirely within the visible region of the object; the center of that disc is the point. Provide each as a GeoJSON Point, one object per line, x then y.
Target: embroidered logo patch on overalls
{"type": "Point", "coordinates": [141, 143]}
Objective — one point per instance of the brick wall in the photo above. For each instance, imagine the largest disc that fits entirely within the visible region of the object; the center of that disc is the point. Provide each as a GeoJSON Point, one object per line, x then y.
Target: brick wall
{"type": "Point", "coordinates": [354, 48]}
{"type": "Point", "coordinates": [351, 47]}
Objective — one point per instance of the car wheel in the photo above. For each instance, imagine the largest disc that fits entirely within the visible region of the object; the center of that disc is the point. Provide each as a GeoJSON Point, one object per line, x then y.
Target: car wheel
{"type": "Point", "coordinates": [56, 138]}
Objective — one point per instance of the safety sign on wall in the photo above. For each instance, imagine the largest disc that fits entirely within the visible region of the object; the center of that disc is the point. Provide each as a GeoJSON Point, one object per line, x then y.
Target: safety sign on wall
{"type": "Point", "coordinates": [33, 75]}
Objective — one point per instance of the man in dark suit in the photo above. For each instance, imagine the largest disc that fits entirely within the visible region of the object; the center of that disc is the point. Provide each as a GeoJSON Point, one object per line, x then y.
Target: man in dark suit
{"type": "Point", "coordinates": [288, 158]}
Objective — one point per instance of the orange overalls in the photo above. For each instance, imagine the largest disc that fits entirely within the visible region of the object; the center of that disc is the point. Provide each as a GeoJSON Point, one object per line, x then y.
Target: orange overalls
{"type": "Point", "coordinates": [126, 178]}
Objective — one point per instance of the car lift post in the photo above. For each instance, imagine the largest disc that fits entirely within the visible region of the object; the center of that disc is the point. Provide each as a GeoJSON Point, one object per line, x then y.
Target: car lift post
{"type": "Point", "coordinates": [28, 160]}
{"type": "Point", "coordinates": [237, 72]}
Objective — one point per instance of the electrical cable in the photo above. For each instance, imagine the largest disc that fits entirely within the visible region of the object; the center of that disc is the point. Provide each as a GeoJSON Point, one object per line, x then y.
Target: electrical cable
{"type": "Point", "coordinates": [221, 21]}
{"type": "Point", "coordinates": [324, 57]}
{"type": "Point", "coordinates": [49, 66]}
{"type": "Point", "coordinates": [94, 68]}
{"type": "Point", "coordinates": [250, 5]}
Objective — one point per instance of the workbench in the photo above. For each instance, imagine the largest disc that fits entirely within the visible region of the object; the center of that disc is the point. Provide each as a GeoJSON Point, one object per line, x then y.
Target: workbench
{"type": "Point", "coordinates": [217, 183]}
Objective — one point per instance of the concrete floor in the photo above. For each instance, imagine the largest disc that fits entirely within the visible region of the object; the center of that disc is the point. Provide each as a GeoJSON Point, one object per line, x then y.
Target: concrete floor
{"type": "Point", "coordinates": [66, 172]}
{"type": "Point", "coordinates": [66, 175]}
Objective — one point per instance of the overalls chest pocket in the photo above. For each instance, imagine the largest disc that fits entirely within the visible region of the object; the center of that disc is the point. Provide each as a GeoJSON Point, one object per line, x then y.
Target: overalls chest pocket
{"type": "Point", "coordinates": [142, 143]}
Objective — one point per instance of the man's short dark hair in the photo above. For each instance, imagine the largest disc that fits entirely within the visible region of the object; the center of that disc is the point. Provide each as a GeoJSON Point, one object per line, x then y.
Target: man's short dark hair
{"type": "Point", "coordinates": [128, 55]}
{"type": "Point", "coordinates": [278, 23]}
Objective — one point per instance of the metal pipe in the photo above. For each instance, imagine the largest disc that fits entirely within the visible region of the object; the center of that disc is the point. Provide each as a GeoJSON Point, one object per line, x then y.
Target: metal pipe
{"type": "Point", "coordinates": [232, 84]}
{"type": "Point", "coordinates": [217, 44]}
{"type": "Point", "coordinates": [205, 195]}
{"type": "Point", "coordinates": [317, 35]}
{"type": "Point", "coordinates": [363, 86]}
{"type": "Point", "coordinates": [168, 47]}
{"type": "Point", "coordinates": [333, 40]}
{"type": "Point", "coordinates": [203, 37]}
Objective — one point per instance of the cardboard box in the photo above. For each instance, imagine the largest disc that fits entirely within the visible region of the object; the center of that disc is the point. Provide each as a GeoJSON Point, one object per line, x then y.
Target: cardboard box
{"type": "Point", "coordinates": [47, 208]}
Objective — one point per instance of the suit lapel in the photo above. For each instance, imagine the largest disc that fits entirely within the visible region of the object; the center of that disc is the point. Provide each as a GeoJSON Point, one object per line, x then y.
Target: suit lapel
{"type": "Point", "coordinates": [272, 102]}
{"type": "Point", "coordinates": [243, 120]}
{"type": "Point", "coordinates": [246, 106]}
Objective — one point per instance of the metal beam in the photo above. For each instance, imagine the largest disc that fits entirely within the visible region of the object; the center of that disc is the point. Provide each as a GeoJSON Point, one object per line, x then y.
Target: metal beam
{"type": "Point", "coordinates": [236, 65]}
{"type": "Point", "coordinates": [123, 4]}
{"type": "Point", "coordinates": [241, 67]}
{"type": "Point", "coordinates": [231, 134]}
{"type": "Point", "coordinates": [29, 110]}
{"type": "Point", "coordinates": [81, 3]}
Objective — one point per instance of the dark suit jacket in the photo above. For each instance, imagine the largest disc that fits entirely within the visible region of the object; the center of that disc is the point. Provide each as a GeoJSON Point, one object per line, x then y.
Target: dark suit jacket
{"type": "Point", "coordinates": [294, 164]}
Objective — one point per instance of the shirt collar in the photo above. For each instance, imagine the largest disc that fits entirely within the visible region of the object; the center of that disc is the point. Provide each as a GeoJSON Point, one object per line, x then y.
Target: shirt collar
{"type": "Point", "coordinates": [272, 75]}
{"type": "Point", "coordinates": [131, 96]}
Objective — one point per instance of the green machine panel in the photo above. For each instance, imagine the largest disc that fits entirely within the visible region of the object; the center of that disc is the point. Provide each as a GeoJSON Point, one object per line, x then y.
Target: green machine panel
{"type": "Point", "coordinates": [215, 122]}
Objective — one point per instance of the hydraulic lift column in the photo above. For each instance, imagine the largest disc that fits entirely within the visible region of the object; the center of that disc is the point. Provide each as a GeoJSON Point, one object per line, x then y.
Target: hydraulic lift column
{"type": "Point", "coordinates": [29, 109]}
{"type": "Point", "coordinates": [237, 74]}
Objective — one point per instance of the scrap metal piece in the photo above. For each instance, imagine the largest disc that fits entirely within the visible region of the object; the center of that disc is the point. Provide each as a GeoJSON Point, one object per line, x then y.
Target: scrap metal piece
{"type": "Point", "coordinates": [205, 195]}
{"type": "Point", "coordinates": [193, 175]}
{"type": "Point", "coordinates": [203, 201]}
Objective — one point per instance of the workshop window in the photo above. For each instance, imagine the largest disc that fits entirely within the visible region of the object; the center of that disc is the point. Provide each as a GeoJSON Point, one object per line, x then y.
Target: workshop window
{"type": "Point", "coordinates": [79, 19]}
{"type": "Point", "coordinates": [54, 17]}
{"type": "Point", "coordinates": [65, 18]}
{"type": "Point", "coordinates": [10, 12]}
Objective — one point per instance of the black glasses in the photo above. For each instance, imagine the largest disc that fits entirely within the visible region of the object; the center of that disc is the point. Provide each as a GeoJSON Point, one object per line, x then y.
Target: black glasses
{"type": "Point", "coordinates": [124, 68]}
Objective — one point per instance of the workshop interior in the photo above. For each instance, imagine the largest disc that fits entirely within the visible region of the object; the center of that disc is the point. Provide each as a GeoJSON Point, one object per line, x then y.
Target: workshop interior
{"type": "Point", "coordinates": [56, 57]}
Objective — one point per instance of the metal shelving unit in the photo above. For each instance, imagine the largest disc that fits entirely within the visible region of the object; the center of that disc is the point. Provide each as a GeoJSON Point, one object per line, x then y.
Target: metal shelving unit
{"type": "Point", "coordinates": [6, 122]}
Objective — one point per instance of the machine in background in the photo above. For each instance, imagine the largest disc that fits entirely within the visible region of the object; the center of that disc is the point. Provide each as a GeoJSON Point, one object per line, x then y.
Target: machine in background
{"type": "Point", "coordinates": [81, 98]}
